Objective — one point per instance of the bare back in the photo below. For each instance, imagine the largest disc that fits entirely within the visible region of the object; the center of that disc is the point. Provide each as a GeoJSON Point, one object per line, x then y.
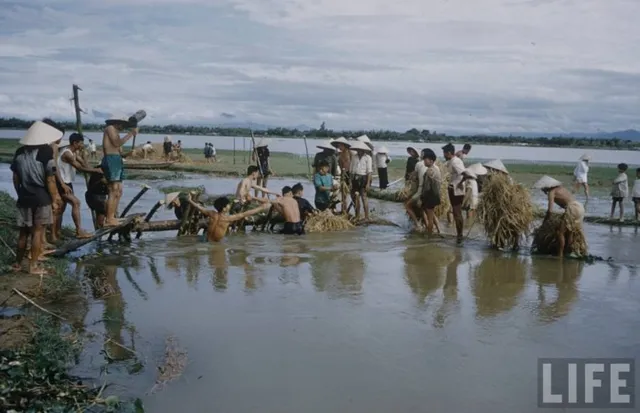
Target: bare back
{"type": "Point", "coordinates": [561, 196]}
{"type": "Point", "coordinates": [109, 141]}
{"type": "Point", "coordinates": [289, 209]}
{"type": "Point", "coordinates": [344, 160]}
{"type": "Point", "coordinates": [217, 227]}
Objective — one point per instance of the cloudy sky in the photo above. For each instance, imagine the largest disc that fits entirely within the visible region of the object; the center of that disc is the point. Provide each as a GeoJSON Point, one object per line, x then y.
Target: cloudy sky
{"type": "Point", "coordinates": [449, 65]}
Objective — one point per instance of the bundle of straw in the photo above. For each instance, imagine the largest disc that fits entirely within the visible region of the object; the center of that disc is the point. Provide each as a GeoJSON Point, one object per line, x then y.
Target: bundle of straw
{"type": "Point", "coordinates": [445, 205]}
{"type": "Point", "coordinates": [505, 210]}
{"type": "Point", "coordinates": [325, 221]}
{"type": "Point", "coordinates": [545, 238]}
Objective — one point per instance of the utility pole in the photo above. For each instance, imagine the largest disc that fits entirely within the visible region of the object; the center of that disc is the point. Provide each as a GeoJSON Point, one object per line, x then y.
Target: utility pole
{"type": "Point", "coordinates": [76, 105]}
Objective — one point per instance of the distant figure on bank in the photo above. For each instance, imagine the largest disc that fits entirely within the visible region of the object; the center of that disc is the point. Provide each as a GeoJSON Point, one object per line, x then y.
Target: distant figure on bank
{"type": "Point", "coordinates": [636, 194]}
{"type": "Point", "coordinates": [112, 164]}
{"type": "Point", "coordinates": [580, 175]}
{"type": "Point", "coordinates": [178, 147]}
{"type": "Point", "coordinates": [167, 147]}
{"type": "Point", "coordinates": [328, 155]}
{"type": "Point", "coordinates": [412, 161]}
{"type": "Point", "coordinates": [147, 149]}
{"type": "Point", "coordinates": [93, 152]}
{"type": "Point", "coordinates": [361, 171]}
{"type": "Point", "coordinates": [69, 165]}
{"type": "Point", "coordinates": [96, 196]}
{"type": "Point", "coordinates": [306, 209]}
{"type": "Point", "coordinates": [382, 160]}
{"type": "Point", "coordinates": [219, 220]}
{"type": "Point", "coordinates": [344, 162]}
{"type": "Point", "coordinates": [288, 208]}
{"type": "Point", "coordinates": [430, 191]}
{"type": "Point", "coordinates": [214, 154]}
{"type": "Point", "coordinates": [35, 184]}
{"type": "Point", "coordinates": [573, 210]}
{"type": "Point", "coordinates": [456, 187]}
{"type": "Point", "coordinates": [209, 152]}
{"type": "Point", "coordinates": [261, 156]}
{"type": "Point", "coordinates": [464, 152]}
{"type": "Point", "coordinates": [323, 182]}
{"type": "Point", "coordinates": [620, 190]}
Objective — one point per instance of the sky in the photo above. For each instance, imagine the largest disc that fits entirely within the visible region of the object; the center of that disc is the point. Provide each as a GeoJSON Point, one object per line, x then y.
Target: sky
{"type": "Point", "coordinates": [456, 66]}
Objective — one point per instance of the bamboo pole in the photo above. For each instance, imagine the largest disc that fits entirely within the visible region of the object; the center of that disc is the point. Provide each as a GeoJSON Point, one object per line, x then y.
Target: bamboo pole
{"type": "Point", "coordinates": [135, 199]}
{"type": "Point", "coordinates": [150, 214]}
{"type": "Point", "coordinates": [306, 149]}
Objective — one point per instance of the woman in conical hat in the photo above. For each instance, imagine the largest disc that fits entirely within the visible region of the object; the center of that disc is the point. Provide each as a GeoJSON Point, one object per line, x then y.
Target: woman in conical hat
{"type": "Point", "coordinates": [344, 163]}
{"type": "Point", "coordinates": [471, 193]}
{"type": "Point", "coordinates": [328, 154]}
{"type": "Point", "coordinates": [496, 165]}
{"type": "Point", "coordinates": [361, 172]}
{"type": "Point", "coordinates": [580, 175]}
{"type": "Point", "coordinates": [365, 139]}
{"type": "Point", "coordinates": [412, 160]}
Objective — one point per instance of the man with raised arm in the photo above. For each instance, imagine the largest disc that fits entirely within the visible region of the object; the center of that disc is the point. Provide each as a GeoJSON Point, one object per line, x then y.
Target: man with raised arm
{"type": "Point", "coordinates": [112, 164]}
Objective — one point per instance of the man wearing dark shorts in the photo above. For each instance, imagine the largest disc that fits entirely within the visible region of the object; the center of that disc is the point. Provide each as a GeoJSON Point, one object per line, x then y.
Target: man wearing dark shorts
{"type": "Point", "coordinates": [361, 170]}
{"type": "Point", "coordinates": [34, 172]}
{"type": "Point", "coordinates": [96, 197]}
{"type": "Point", "coordinates": [455, 168]}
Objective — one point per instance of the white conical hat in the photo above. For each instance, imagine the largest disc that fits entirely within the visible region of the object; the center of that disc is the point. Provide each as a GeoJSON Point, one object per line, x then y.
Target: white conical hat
{"type": "Point", "coordinates": [383, 149]}
{"type": "Point", "coordinates": [262, 142]}
{"type": "Point", "coordinates": [169, 198]}
{"type": "Point", "coordinates": [340, 140]}
{"type": "Point", "coordinates": [363, 138]}
{"type": "Point", "coordinates": [41, 134]}
{"type": "Point", "coordinates": [326, 145]}
{"type": "Point", "coordinates": [411, 147]}
{"type": "Point", "coordinates": [497, 165]}
{"type": "Point", "coordinates": [585, 157]}
{"type": "Point", "coordinates": [357, 145]}
{"type": "Point", "coordinates": [118, 118]}
{"type": "Point", "coordinates": [477, 169]}
{"type": "Point", "coordinates": [470, 174]}
{"type": "Point", "coordinates": [546, 182]}
{"type": "Point", "coordinates": [167, 138]}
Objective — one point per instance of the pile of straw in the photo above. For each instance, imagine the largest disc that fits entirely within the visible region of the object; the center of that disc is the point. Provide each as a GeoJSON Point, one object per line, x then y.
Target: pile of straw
{"type": "Point", "coordinates": [325, 221]}
{"type": "Point", "coordinates": [505, 210]}
{"type": "Point", "coordinates": [545, 238]}
{"type": "Point", "coordinates": [445, 205]}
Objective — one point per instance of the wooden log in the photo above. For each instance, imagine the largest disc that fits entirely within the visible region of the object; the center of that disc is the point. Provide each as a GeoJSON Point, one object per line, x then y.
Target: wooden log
{"type": "Point", "coordinates": [78, 243]}
{"type": "Point", "coordinates": [135, 199]}
{"type": "Point", "coordinates": [150, 214]}
{"type": "Point", "coordinates": [168, 225]}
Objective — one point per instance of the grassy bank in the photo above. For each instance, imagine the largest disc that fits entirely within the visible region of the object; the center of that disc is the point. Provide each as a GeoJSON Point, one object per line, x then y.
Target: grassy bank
{"type": "Point", "coordinates": [40, 334]}
{"type": "Point", "coordinates": [290, 165]}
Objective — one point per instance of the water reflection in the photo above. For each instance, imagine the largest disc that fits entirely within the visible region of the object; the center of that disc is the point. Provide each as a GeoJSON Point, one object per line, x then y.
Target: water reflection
{"type": "Point", "coordinates": [497, 284]}
{"type": "Point", "coordinates": [450, 302]}
{"type": "Point", "coordinates": [338, 274]}
{"type": "Point", "coordinates": [217, 260]}
{"type": "Point", "coordinates": [562, 275]}
{"type": "Point", "coordinates": [424, 270]}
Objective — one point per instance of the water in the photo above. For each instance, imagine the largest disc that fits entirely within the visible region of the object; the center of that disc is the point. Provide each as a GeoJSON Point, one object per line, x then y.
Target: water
{"type": "Point", "coordinates": [396, 149]}
{"type": "Point", "coordinates": [370, 320]}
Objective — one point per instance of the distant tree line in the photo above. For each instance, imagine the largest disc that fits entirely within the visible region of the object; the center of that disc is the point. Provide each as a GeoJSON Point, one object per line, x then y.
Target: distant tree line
{"type": "Point", "coordinates": [413, 135]}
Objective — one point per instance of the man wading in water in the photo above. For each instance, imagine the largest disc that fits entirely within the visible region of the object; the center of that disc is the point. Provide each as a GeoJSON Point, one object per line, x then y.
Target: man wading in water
{"type": "Point", "coordinates": [243, 191]}
{"type": "Point", "coordinates": [112, 164]}
{"type": "Point", "coordinates": [220, 219]}
{"type": "Point", "coordinates": [456, 187]}
{"type": "Point", "coordinates": [288, 207]}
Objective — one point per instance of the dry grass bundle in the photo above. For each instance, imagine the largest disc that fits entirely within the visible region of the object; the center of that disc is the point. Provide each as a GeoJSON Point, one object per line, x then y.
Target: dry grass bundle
{"type": "Point", "coordinates": [175, 361]}
{"type": "Point", "coordinates": [445, 205]}
{"type": "Point", "coordinates": [545, 238]}
{"type": "Point", "coordinates": [505, 210]}
{"type": "Point", "coordinates": [325, 221]}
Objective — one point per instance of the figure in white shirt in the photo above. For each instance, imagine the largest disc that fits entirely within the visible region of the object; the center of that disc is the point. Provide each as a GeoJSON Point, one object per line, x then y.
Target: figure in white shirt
{"type": "Point", "coordinates": [635, 194]}
{"type": "Point", "coordinates": [620, 190]}
{"type": "Point", "coordinates": [92, 149]}
{"type": "Point", "coordinates": [147, 149]}
{"type": "Point", "coordinates": [580, 175]}
{"type": "Point", "coordinates": [361, 170]}
{"type": "Point", "coordinates": [382, 159]}
{"type": "Point", "coordinates": [456, 169]}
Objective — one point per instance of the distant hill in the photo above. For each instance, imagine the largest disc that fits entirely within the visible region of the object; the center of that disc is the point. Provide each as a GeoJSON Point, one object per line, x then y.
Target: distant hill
{"type": "Point", "coordinates": [629, 134]}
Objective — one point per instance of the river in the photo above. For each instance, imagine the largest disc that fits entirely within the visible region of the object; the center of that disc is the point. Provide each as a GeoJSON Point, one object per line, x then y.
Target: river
{"type": "Point", "coordinates": [296, 146]}
{"type": "Point", "coordinates": [370, 320]}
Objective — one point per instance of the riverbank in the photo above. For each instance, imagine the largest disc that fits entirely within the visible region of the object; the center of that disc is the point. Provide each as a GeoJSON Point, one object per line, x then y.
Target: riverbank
{"type": "Point", "coordinates": [42, 333]}
{"type": "Point", "coordinates": [284, 164]}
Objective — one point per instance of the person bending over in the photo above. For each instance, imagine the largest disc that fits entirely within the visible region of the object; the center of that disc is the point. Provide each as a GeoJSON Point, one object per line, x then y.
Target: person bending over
{"type": "Point", "coordinates": [287, 206]}
{"type": "Point", "coordinates": [306, 209]}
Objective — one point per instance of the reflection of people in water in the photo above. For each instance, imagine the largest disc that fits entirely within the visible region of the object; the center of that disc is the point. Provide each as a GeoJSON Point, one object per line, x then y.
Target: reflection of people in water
{"type": "Point", "coordinates": [105, 287]}
{"type": "Point", "coordinates": [497, 284]}
{"type": "Point", "coordinates": [423, 283]}
{"type": "Point", "coordinates": [337, 274]}
{"type": "Point", "coordinates": [218, 261]}
{"type": "Point", "coordinates": [449, 290]}
{"type": "Point", "coordinates": [563, 275]}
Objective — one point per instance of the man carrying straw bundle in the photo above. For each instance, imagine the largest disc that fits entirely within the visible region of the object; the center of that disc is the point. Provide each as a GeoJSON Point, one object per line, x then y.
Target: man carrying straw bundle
{"type": "Point", "coordinates": [416, 182]}
{"type": "Point", "coordinates": [456, 187]}
{"type": "Point", "coordinates": [430, 192]}
{"type": "Point", "coordinates": [344, 162]}
{"type": "Point", "coordinates": [361, 170]}
{"type": "Point", "coordinates": [573, 216]}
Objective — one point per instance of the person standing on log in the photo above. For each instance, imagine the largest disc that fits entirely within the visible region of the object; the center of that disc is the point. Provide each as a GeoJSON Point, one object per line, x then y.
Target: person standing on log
{"type": "Point", "coordinates": [92, 149]}
{"type": "Point", "coordinates": [34, 180]}
{"type": "Point", "coordinates": [167, 148]}
{"type": "Point", "coordinates": [112, 163]}
{"type": "Point", "coordinates": [68, 165]}
{"type": "Point", "coordinates": [261, 156]}
{"type": "Point", "coordinates": [456, 169]}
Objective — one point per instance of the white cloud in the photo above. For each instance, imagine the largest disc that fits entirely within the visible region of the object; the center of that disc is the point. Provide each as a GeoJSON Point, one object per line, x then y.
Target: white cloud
{"type": "Point", "coordinates": [448, 65]}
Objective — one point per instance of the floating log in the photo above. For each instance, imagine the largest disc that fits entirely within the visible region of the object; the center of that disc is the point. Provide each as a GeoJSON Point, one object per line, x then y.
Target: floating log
{"type": "Point", "coordinates": [78, 243]}
{"type": "Point", "coordinates": [135, 199]}
{"type": "Point", "coordinates": [150, 214]}
{"type": "Point", "coordinates": [168, 225]}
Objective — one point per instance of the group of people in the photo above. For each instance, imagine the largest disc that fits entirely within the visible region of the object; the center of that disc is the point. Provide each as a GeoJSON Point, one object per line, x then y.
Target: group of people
{"type": "Point", "coordinates": [168, 148]}
{"type": "Point", "coordinates": [210, 153]}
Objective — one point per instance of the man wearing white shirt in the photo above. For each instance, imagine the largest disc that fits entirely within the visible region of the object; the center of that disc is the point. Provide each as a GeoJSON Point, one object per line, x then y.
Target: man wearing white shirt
{"type": "Point", "coordinates": [92, 149]}
{"type": "Point", "coordinates": [456, 168]}
{"type": "Point", "coordinates": [382, 159]}
{"type": "Point", "coordinates": [147, 148]}
{"type": "Point", "coordinates": [361, 170]}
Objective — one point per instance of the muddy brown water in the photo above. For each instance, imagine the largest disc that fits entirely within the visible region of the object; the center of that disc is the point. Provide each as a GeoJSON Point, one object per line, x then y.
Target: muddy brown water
{"type": "Point", "coordinates": [371, 320]}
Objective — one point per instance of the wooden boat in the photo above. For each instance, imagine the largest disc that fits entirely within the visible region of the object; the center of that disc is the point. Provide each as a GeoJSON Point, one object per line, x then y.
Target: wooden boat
{"type": "Point", "coordinates": [147, 165]}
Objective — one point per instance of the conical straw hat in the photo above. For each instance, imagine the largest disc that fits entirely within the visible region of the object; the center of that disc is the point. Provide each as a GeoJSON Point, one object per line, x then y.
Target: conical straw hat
{"type": "Point", "coordinates": [357, 145]}
{"type": "Point", "coordinates": [497, 165]}
{"type": "Point", "coordinates": [585, 157]}
{"type": "Point", "coordinates": [119, 118]}
{"type": "Point", "coordinates": [477, 169]}
{"type": "Point", "coordinates": [169, 198]}
{"type": "Point", "coordinates": [383, 149]}
{"type": "Point", "coordinates": [546, 182]}
{"type": "Point", "coordinates": [412, 148]}
{"type": "Point", "coordinates": [41, 134]}
{"type": "Point", "coordinates": [340, 140]}
{"type": "Point", "coordinates": [326, 145]}
{"type": "Point", "coordinates": [363, 138]}
{"type": "Point", "coordinates": [470, 174]}
{"type": "Point", "coordinates": [262, 142]}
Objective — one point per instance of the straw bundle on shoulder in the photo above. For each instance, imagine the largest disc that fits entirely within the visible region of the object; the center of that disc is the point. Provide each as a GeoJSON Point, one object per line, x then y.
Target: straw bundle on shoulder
{"type": "Point", "coordinates": [545, 238]}
{"type": "Point", "coordinates": [445, 205]}
{"type": "Point", "coordinates": [325, 221]}
{"type": "Point", "coordinates": [505, 210]}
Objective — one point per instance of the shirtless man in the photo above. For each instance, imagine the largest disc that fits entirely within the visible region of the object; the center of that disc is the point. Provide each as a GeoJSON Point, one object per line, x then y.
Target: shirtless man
{"type": "Point", "coordinates": [112, 164]}
{"type": "Point", "coordinates": [220, 219]}
{"type": "Point", "coordinates": [344, 162]}
{"type": "Point", "coordinates": [243, 191]}
{"type": "Point", "coordinates": [288, 207]}
{"type": "Point", "coordinates": [573, 210]}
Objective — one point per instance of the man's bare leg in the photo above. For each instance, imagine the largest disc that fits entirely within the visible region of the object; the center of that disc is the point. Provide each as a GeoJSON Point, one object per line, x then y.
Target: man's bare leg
{"type": "Point", "coordinates": [409, 207]}
{"type": "Point", "coordinates": [457, 216]}
{"type": "Point", "coordinates": [621, 210]}
{"type": "Point", "coordinates": [613, 208]}
{"type": "Point", "coordinates": [365, 205]}
{"type": "Point", "coordinates": [36, 250]}
{"type": "Point", "coordinates": [586, 190]}
{"type": "Point", "coordinates": [259, 183]}
{"type": "Point", "coordinates": [265, 181]}
{"type": "Point", "coordinates": [112, 204]}
{"type": "Point", "coordinates": [21, 250]}
{"type": "Point", "coordinates": [75, 214]}
{"type": "Point", "coordinates": [561, 239]}
{"type": "Point", "coordinates": [356, 204]}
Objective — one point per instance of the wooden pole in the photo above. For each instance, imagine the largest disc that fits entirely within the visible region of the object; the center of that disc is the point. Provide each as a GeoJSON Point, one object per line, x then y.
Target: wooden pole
{"type": "Point", "coordinates": [135, 199]}
{"type": "Point", "coordinates": [234, 151]}
{"type": "Point", "coordinates": [150, 214]}
{"type": "Point", "coordinates": [306, 149]}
